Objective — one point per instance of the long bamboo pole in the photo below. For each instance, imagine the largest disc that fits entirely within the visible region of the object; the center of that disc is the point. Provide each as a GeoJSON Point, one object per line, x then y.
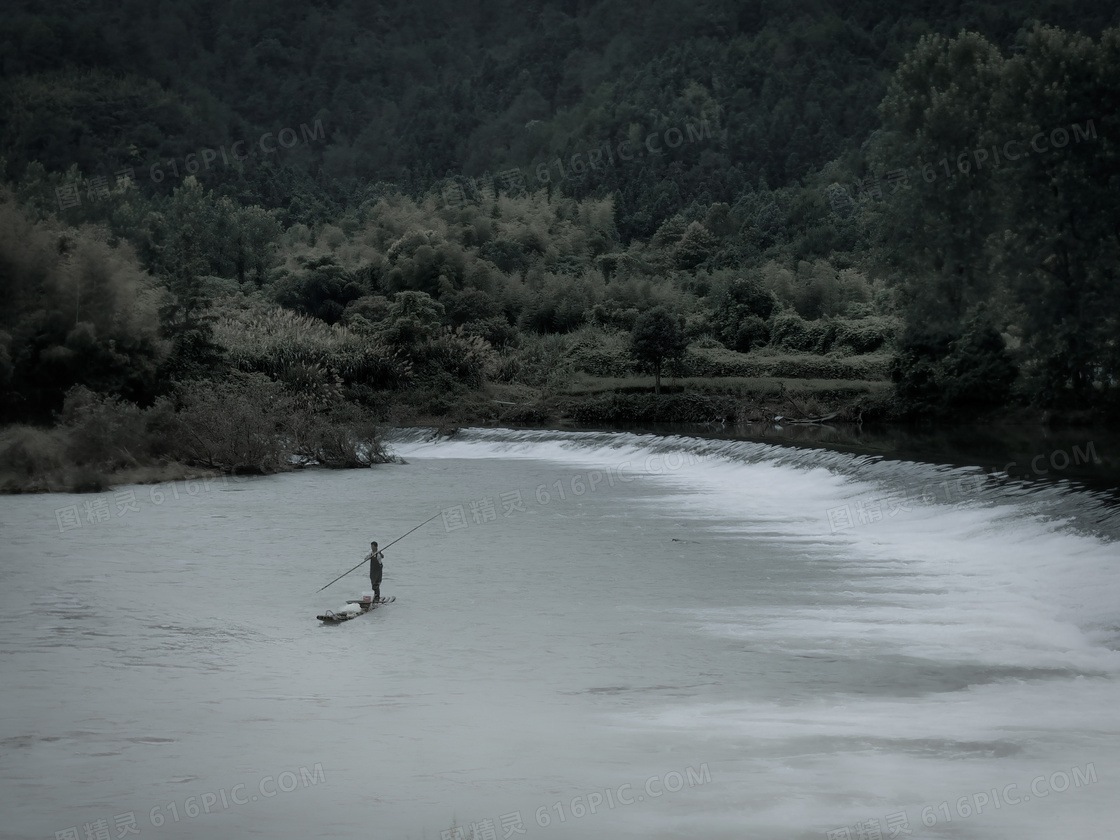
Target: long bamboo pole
{"type": "Point", "coordinates": [397, 540]}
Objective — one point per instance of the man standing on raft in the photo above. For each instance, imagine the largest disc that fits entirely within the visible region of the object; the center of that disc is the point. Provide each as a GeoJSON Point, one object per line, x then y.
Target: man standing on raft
{"type": "Point", "coordinates": [376, 569]}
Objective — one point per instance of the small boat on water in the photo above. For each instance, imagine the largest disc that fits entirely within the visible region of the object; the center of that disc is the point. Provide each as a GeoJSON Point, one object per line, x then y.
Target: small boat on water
{"type": "Point", "coordinates": [353, 609]}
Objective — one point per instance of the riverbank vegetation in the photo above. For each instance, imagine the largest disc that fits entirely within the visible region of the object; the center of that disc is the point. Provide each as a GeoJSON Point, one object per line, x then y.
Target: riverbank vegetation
{"type": "Point", "coordinates": [787, 215]}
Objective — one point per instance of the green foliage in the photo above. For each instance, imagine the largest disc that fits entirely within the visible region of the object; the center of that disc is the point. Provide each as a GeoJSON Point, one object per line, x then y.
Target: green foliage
{"type": "Point", "coordinates": [696, 246]}
{"type": "Point", "coordinates": [540, 361]}
{"type": "Point", "coordinates": [863, 335]}
{"type": "Point", "coordinates": [470, 304]}
{"type": "Point", "coordinates": [413, 320]}
{"type": "Point", "coordinates": [251, 423]}
{"type": "Point", "coordinates": [496, 331]}
{"type": "Point", "coordinates": [96, 435]}
{"type": "Point", "coordinates": [1028, 238]}
{"type": "Point", "coordinates": [658, 337]}
{"type": "Point", "coordinates": [740, 311]}
{"type": "Point", "coordinates": [341, 436]}
{"type": "Point", "coordinates": [752, 332]}
{"type": "Point", "coordinates": [78, 311]}
{"type": "Point", "coordinates": [193, 355]}
{"type": "Point", "coordinates": [320, 287]}
{"type": "Point", "coordinates": [817, 289]}
{"type": "Point", "coordinates": [366, 314]}
{"type": "Point", "coordinates": [104, 432]}
{"type": "Point", "coordinates": [791, 332]}
{"type": "Point", "coordinates": [250, 244]}
{"type": "Point", "coordinates": [774, 91]}
{"type": "Point", "coordinates": [263, 338]}
{"type": "Point", "coordinates": [509, 257]}
{"type": "Point", "coordinates": [28, 453]}
{"type": "Point", "coordinates": [422, 261]}
{"type": "Point", "coordinates": [243, 423]}
{"type": "Point", "coordinates": [236, 425]}
{"type": "Point", "coordinates": [978, 368]}
{"type": "Point", "coordinates": [939, 374]}
{"type": "Point", "coordinates": [99, 118]}
{"type": "Point", "coordinates": [866, 335]}
{"type": "Point", "coordinates": [720, 362]}
{"type": "Point", "coordinates": [612, 315]}
{"type": "Point", "coordinates": [414, 327]}
{"type": "Point", "coordinates": [771, 92]}
{"type": "Point", "coordinates": [602, 353]}
{"type": "Point", "coordinates": [465, 357]}
{"type": "Point", "coordinates": [731, 228]}
{"type": "Point", "coordinates": [553, 310]}
{"type": "Point", "coordinates": [194, 234]}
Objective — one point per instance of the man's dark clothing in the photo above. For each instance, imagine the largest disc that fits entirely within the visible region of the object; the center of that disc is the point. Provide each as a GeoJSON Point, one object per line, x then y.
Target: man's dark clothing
{"type": "Point", "coordinates": [376, 569]}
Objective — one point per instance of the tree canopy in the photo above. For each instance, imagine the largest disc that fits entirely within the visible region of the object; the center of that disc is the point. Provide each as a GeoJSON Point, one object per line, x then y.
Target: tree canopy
{"type": "Point", "coordinates": [436, 195]}
{"type": "Point", "coordinates": [657, 339]}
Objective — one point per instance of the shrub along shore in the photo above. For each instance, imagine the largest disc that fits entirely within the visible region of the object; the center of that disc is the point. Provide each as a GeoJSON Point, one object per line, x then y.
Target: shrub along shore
{"type": "Point", "coordinates": [252, 424]}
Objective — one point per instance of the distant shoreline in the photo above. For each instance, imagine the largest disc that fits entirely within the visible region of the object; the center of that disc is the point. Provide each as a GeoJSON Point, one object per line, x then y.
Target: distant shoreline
{"type": "Point", "coordinates": [851, 417]}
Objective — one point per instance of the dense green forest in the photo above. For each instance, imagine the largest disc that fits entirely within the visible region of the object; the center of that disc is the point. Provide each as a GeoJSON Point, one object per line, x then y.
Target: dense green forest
{"type": "Point", "coordinates": [334, 214]}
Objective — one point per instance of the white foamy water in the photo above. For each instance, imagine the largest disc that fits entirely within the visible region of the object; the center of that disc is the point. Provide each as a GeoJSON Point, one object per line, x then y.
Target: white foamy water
{"type": "Point", "coordinates": [688, 638]}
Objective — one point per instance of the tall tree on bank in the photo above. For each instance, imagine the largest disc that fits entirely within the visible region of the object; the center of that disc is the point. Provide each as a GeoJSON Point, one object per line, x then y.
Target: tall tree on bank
{"type": "Point", "coordinates": [1010, 212]}
{"type": "Point", "coordinates": [657, 338]}
{"type": "Point", "coordinates": [1062, 239]}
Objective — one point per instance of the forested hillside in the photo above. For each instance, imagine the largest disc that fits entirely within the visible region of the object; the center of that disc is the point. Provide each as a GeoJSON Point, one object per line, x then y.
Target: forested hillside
{"type": "Point", "coordinates": [376, 204]}
{"type": "Point", "coordinates": [410, 93]}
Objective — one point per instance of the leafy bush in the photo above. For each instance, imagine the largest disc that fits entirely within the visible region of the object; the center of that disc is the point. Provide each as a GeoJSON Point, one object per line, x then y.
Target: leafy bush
{"type": "Point", "coordinates": [791, 332]}
{"type": "Point", "coordinates": [423, 261]}
{"type": "Point", "coordinates": [538, 361]}
{"type": "Point", "coordinates": [469, 305]}
{"type": "Point", "coordinates": [77, 311]}
{"type": "Point", "coordinates": [341, 437]}
{"type": "Point", "coordinates": [103, 432]}
{"type": "Point", "coordinates": [696, 245]}
{"type": "Point", "coordinates": [752, 332]}
{"type": "Point", "coordinates": [319, 287]}
{"type": "Point", "coordinates": [699, 361]}
{"type": "Point", "coordinates": [612, 314]}
{"type": "Point", "coordinates": [867, 335]}
{"type": "Point", "coordinates": [743, 301]}
{"type": "Point", "coordinates": [938, 374]}
{"type": "Point", "coordinates": [863, 335]}
{"type": "Point", "coordinates": [369, 311]}
{"type": "Point", "coordinates": [26, 451]}
{"type": "Point", "coordinates": [496, 331]}
{"type": "Point", "coordinates": [314, 387]}
{"type": "Point", "coordinates": [268, 339]}
{"type": "Point", "coordinates": [560, 306]}
{"type": "Point", "coordinates": [601, 353]}
{"type": "Point", "coordinates": [238, 425]}
{"type": "Point", "coordinates": [414, 318]}
{"type": "Point", "coordinates": [706, 342]}
{"type": "Point", "coordinates": [467, 358]}
{"type": "Point", "coordinates": [510, 257]}
{"type": "Point", "coordinates": [193, 355]}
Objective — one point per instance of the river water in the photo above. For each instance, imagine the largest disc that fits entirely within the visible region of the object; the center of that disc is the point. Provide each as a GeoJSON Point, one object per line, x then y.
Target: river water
{"type": "Point", "coordinates": [606, 635]}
